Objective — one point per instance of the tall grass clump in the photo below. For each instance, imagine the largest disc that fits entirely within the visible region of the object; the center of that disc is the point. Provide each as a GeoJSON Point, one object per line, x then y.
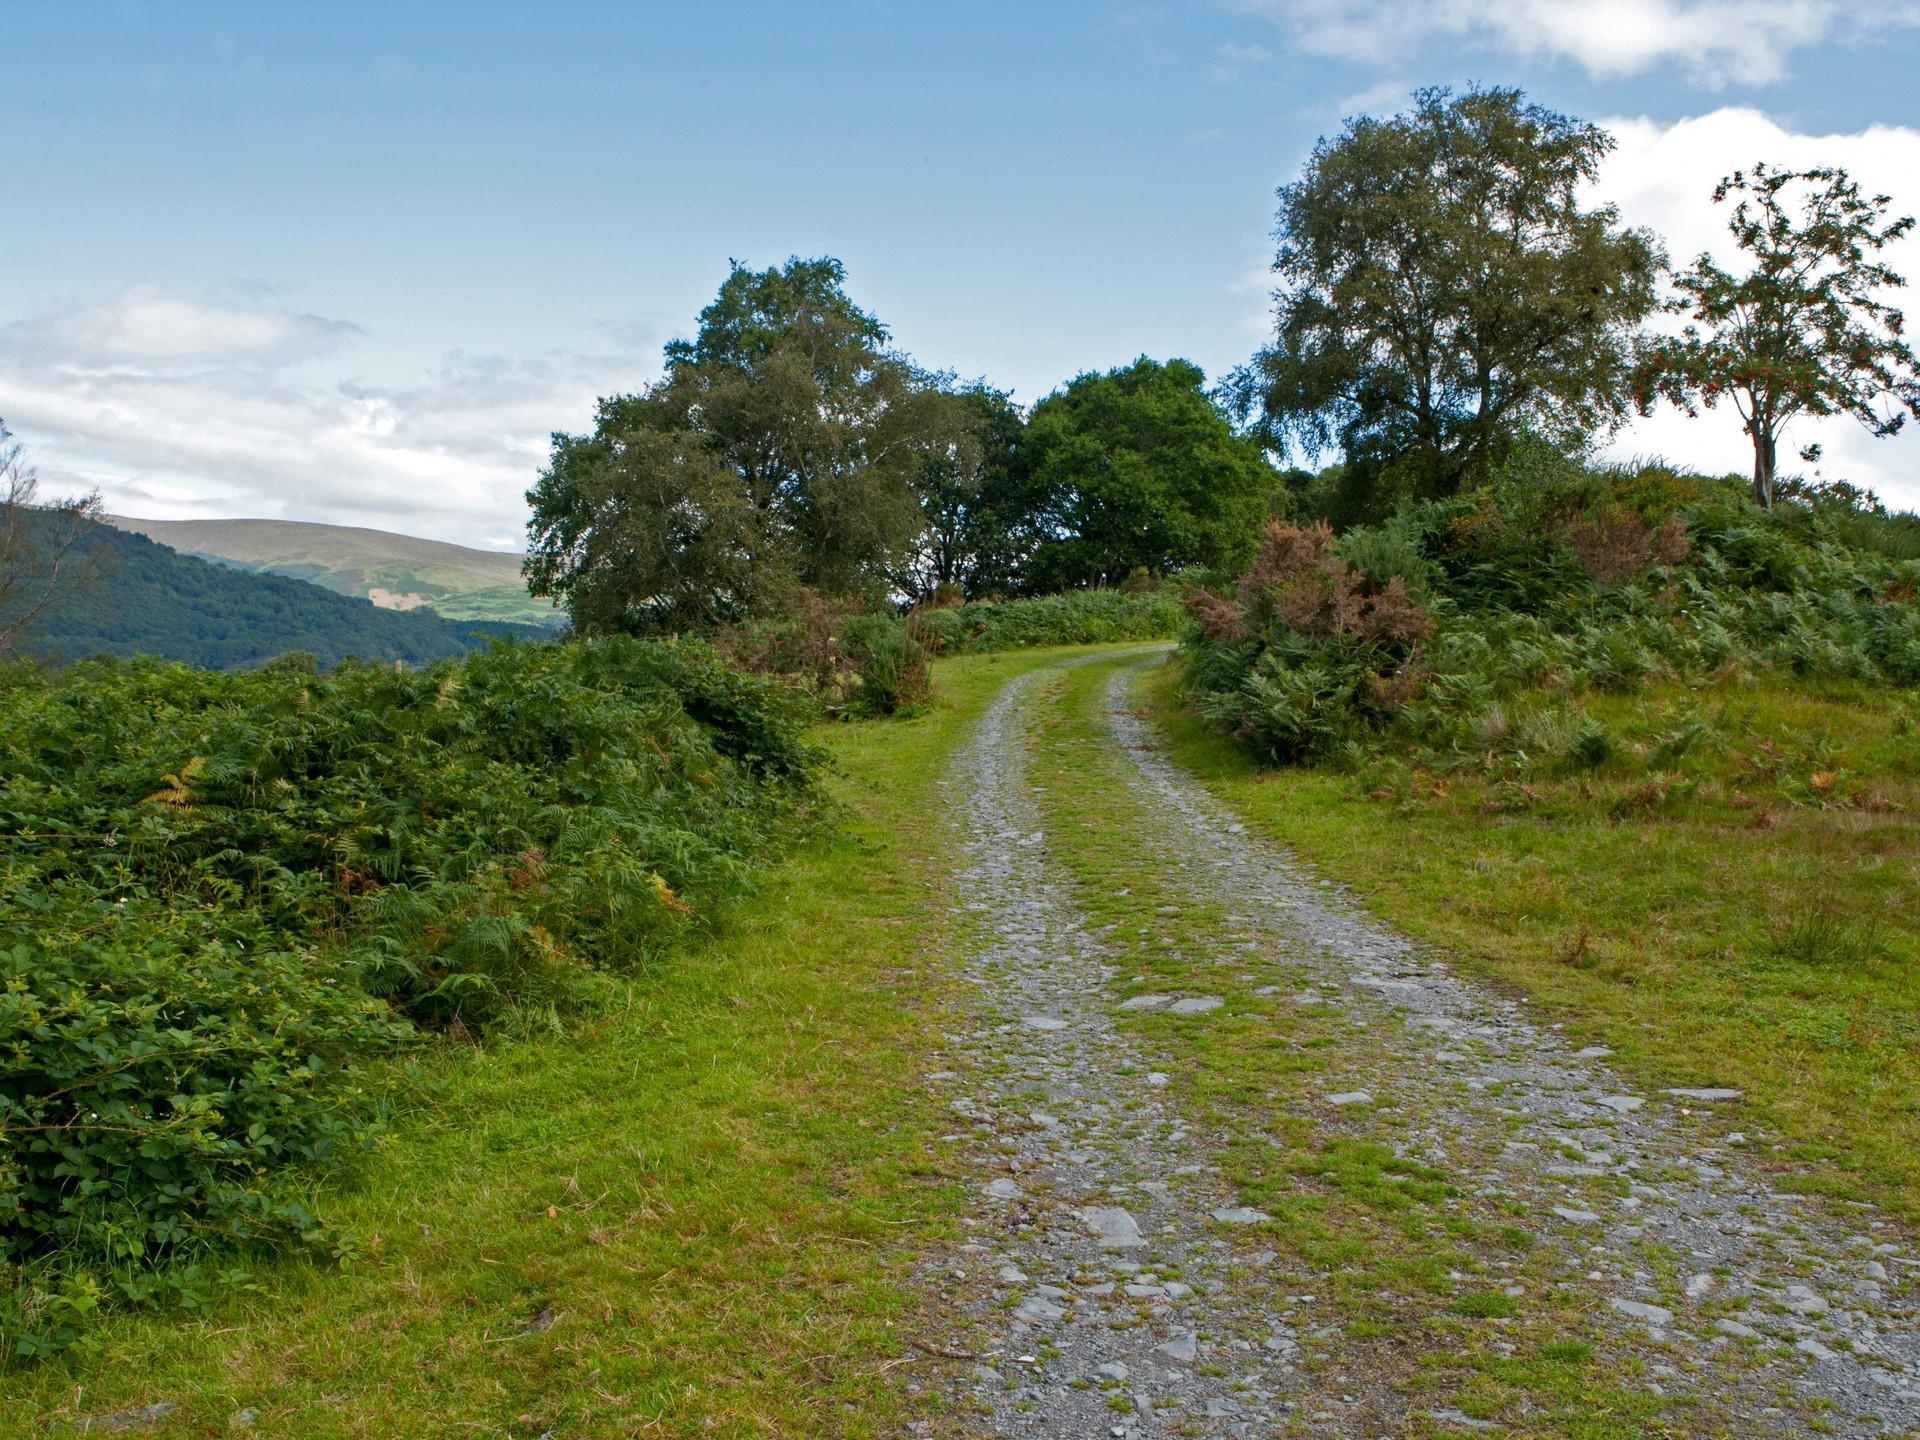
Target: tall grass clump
{"type": "Point", "coordinates": [223, 894]}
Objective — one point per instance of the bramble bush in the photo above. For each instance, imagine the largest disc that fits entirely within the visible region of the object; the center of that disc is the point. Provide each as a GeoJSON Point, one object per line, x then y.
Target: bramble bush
{"type": "Point", "coordinates": [221, 894]}
{"type": "Point", "coordinates": [1469, 627]}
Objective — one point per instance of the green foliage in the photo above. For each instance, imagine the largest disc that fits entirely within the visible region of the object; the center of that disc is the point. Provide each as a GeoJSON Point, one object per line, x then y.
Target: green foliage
{"type": "Point", "coordinates": [891, 659]}
{"type": "Point", "coordinates": [144, 599]}
{"type": "Point", "coordinates": [868, 663]}
{"type": "Point", "coordinates": [779, 450]}
{"type": "Point", "coordinates": [1077, 617]}
{"type": "Point", "coordinates": [221, 892]}
{"type": "Point", "coordinates": [978, 508]}
{"type": "Point", "coordinates": [1804, 332]}
{"type": "Point", "coordinates": [1139, 469]}
{"type": "Point", "coordinates": [44, 547]}
{"type": "Point", "coordinates": [1470, 627]}
{"type": "Point", "coordinates": [1819, 935]}
{"type": "Point", "coordinates": [164, 1069]}
{"type": "Point", "coordinates": [1442, 290]}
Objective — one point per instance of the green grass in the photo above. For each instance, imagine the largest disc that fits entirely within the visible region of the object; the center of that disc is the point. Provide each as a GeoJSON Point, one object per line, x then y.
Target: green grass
{"type": "Point", "coordinates": [1743, 920]}
{"type": "Point", "coordinates": [689, 1215]}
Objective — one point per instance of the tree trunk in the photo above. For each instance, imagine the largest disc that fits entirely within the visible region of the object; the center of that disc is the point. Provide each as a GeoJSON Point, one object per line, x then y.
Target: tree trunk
{"type": "Point", "coordinates": [1763, 451]}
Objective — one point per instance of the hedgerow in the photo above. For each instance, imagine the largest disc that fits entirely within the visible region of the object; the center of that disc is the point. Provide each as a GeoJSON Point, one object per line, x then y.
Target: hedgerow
{"type": "Point", "coordinates": [864, 663]}
{"type": "Point", "coordinates": [1554, 581]}
{"type": "Point", "coordinates": [222, 894]}
{"type": "Point", "coordinates": [1074, 617]}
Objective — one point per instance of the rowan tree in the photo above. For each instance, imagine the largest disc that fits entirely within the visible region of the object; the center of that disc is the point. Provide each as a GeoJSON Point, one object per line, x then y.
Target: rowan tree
{"type": "Point", "coordinates": [1805, 331]}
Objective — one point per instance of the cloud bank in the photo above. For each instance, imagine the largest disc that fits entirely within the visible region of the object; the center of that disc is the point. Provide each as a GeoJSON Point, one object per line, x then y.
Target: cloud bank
{"type": "Point", "coordinates": [1715, 42]}
{"type": "Point", "coordinates": [178, 409]}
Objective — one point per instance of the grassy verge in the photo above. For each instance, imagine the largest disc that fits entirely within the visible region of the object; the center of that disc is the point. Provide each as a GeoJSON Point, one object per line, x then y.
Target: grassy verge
{"type": "Point", "coordinates": [1445, 1298]}
{"type": "Point", "coordinates": [688, 1215]}
{"type": "Point", "coordinates": [1751, 927]}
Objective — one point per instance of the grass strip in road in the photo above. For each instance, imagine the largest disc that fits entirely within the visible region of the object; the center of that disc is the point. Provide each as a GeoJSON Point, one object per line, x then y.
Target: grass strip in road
{"type": "Point", "coordinates": [688, 1215]}
{"type": "Point", "coordinates": [1723, 937]}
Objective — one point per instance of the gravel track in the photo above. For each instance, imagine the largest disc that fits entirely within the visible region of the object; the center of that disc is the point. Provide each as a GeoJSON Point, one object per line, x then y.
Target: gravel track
{"type": "Point", "coordinates": [1112, 1284]}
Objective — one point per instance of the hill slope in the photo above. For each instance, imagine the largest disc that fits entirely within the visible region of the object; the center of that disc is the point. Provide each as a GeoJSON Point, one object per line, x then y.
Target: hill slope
{"type": "Point", "coordinates": [148, 600]}
{"type": "Point", "coordinates": [395, 572]}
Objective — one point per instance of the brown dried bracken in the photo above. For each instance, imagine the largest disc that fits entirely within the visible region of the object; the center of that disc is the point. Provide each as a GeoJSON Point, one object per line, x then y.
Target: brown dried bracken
{"type": "Point", "coordinates": [1615, 544]}
{"type": "Point", "coordinates": [1221, 620]}
{"type": "Point", "coordinates": [1297, 579]}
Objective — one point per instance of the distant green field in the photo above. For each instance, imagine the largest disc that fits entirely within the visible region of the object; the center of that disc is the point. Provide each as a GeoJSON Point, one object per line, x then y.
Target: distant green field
{"type": "Point", "coordinates": [396, 572]}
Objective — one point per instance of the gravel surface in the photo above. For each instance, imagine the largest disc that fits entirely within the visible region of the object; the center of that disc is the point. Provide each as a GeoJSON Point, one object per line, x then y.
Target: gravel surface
{"type": "Point", "coordinates": [1112, 1282]}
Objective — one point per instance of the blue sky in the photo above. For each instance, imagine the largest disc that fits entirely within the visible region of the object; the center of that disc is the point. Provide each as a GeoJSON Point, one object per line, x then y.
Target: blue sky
{"type": "Point", "coordinates": [353, 262]}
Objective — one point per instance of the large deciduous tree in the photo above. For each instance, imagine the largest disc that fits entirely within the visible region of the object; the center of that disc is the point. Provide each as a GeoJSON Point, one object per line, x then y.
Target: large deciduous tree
{"type": "Point", "coordinates": [780, 448]}
{"type": "Point", "coordinates": [1139, 469]}
{"type": "Point", "coordinates": [1443, 287]}
{"type": "Point", "coordinates": [1804, 331]}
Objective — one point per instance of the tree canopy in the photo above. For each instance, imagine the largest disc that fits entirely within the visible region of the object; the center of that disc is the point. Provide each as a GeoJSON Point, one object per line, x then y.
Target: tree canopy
{"type": "Point", "coordinates": [780, 448]}
{"type": "Point", "coordinates": [974, 490]}
{"type": "Point", "coordinates": [1140, 469]}
{"type": "Point", "coordinates": [1803, 332]}
{"type": "Point", "coordinates": [1442, 288]}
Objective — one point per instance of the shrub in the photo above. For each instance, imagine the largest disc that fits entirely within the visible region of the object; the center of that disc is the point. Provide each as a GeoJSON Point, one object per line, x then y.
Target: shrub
{"type": "Point", "coordinates": [1328, 653]}
{"type": "Point", "coordinates": [1556, 577]}
{"type": "Point", "coordinates": [892, 659]}
{"type": "Point", "coordinates": [220, 894]}
{"type": "Point", "coordinates": [1074, 617]}
{"type": "Point", "coordinates": [164, 1068]}
{"type": "Point", "coordinates": [870, 663]}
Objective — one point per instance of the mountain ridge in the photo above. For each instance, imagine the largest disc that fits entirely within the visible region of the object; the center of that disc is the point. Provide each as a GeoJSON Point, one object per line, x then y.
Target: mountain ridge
{"type": "Point", "coordinates": [394, 571]}
{"type": "Point", "coordinates": [142, 597]}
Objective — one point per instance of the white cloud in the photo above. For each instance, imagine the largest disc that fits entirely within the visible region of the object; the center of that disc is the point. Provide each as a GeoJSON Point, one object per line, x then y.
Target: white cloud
{"type": "Point", "coordinates": [104, 398]}
{"type": "Point", "coordinates": [1714, 41]}
{"type": "Point", "coordinates": [147, 327]}
{"type": "Point", "coordinates": [1662, 176]}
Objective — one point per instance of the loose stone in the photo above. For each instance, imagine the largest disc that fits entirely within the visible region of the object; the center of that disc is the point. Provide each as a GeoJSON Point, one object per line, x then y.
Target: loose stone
{"type": "Point", "coordinates": [1803, 1301]}
{"type": "Point", "coordinates": [1115, 1228]}
{"type": "Point", "coordinates": [1640, 1310]}
{"type": "Point", "coordinates": [1195, 1005]}
{"type": "Point", "coordinates": [1182, 1347]}
{"type": "Point", "coordinates": [1241, 1215]}
{"type": "Point", "coordinates": [1707, 1094]}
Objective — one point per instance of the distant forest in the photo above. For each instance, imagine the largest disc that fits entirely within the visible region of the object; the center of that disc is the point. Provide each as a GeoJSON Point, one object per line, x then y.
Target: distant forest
{"type": "Point", "coordinates": [146, 599]}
